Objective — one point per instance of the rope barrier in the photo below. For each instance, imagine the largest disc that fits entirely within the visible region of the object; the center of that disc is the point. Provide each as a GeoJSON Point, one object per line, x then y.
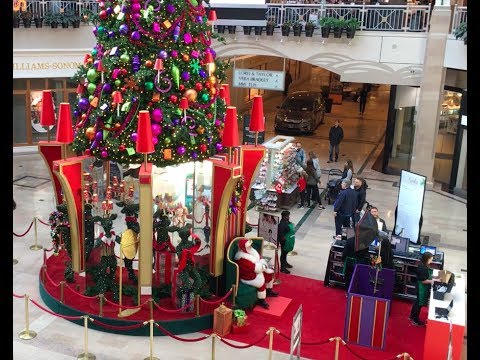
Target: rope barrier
{"type": "Point", "coordinates": [125, 306]}
{"type": "Point", "coordinates": [166, 332]}
{"type": "Point", "coordinates": [217, 301]}
{"type": "Point", "coordinates": [114, 327]}
{"type": "Point", "coordinates": [18, 296]}
{"type": "Point", "coordinates": [201, 219]}
{"type": "Point", "coordinates": [55, 314]}
{"type": "Point", "coordinates": [79, 294]}
{"type": "Point", "coordinates": [305, 342]}
{"type": "Point", "coordinates": [42, 222]}
{"type": "Point", "coordinates": [252, 225]}
{"type": "Point", "coordinates": [355, 354]}
{"type": "Point", "coordinates": [175, 310]}
{"type": "Point", "coordinates": [25, 233]}
{"type": "Point", "coordinates": [50, 279]}
{"type": "Point", "coordinates": [48, 250]}
{"type": "Point", "coordinates": [243, 346]}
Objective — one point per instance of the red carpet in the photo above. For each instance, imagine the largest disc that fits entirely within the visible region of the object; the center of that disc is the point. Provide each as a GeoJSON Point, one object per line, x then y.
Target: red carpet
{"type": "Point", "coordinates": [323, 318]}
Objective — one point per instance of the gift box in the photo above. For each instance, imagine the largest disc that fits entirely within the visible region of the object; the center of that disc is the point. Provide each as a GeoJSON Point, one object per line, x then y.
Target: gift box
{"type": "Point", "coordinates": [222, 320]}
{"type": "Point", "coordinates": [164, 261]}
{"type": "Point", "coordinates": [236, 329]}
{"type": "Point", "coordinates": [180, 300]}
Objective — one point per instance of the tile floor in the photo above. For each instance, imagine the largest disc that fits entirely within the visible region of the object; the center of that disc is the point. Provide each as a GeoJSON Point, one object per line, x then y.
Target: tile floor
{"type": "Point", "coordinates": [445, 218]}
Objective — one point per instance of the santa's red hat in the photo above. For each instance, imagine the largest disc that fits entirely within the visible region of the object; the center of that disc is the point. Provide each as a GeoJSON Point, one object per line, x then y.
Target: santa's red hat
{"type": "Point", "coordinates": [242, 244]}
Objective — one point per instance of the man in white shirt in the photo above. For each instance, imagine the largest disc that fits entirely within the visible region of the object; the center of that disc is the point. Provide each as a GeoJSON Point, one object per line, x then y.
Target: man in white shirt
{"type": "Point", "coordinates": [380, 222]}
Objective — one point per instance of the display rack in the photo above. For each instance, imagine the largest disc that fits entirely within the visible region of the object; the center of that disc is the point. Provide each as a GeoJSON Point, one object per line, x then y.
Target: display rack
{"type": "Point", "coordinates": [405, 270]}
{"type": "Point", "coordinates": [275, 187]}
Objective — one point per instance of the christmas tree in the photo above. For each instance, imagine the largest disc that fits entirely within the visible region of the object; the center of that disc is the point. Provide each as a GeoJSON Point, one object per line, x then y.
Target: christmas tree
{"type": "Point", "coordinates": [148, 56]}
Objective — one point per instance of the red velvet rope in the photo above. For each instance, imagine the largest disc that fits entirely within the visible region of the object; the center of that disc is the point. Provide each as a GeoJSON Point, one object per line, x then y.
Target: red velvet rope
{"type": "Point", "coordinates": [252, 225]}
{"type": "Point", "coordinates": [55, 314]}
{"type": "Point", "coordinates": [175, 310]}
{"type": "Point", "coordinates": [125, 306]}
{"type": "Point", "coordinates": [42, 222]}
{"type": "Point", "coordinates": [198, 222]}
{"type": "Point", "coordinates": [358, 356]}
{"type": "Point", "coordinates": [48, 250]}
{"type": "Point", "coordinates": [50, 279]}
{"type": "Point", "coordinates": [243, 346]}
{"type": "Point", "coordinates": [303, 342]}
{"type": "Point", "coordinates": [18, 296]}
{"type": "Point", "coordinates": [217, 301]}
{"type": "Point", "coordinates": [25, 233]}
{"type": "Point", "coordinates": [165, 331]}
{"type": "Point", "coordinates": [113, 327]}
{"type": "Point", "coordinates": [79, 294]}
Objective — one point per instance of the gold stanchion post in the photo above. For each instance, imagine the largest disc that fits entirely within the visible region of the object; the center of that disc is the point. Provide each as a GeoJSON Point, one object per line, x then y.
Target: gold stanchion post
{"type": "Point", "coordinates": [270, 332]}
{"type": "Point", "coordinates": [213, 345]}
{"type": "Point", "coordinates": [151, 357]}
{"type": "Point", "coordinates": [62, 287]}
{"type": "Point", "coordinates": [35, 246]}
{"type": "Point", "coordinates": [86, 355]}
{"type": "Point", "coordinates": [337, 339]}
{"type": "Point", "coordinates": [15, 261]}
{"type": "Point", "coordinates": [197, 305]}
{"type": "Point", "coordinates": [27, 334]}
{"type": "Point", "coordinates": [151, 307]}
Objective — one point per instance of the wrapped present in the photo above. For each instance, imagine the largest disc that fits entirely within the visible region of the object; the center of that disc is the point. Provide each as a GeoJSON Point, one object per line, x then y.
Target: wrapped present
{"type": "Point", "coordinates": [182, 299]}
{"type": "Point", "coordinates": [164, 261]}
{"type": "Point", "coordinates": [240, 317]}
{"type": "Point", "coordinates": [236, 329]}
{"type": "Point", "coordinates": [222, 320]}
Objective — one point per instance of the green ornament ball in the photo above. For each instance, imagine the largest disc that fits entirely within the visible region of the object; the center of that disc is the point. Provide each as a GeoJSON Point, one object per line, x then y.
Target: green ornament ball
{"type": "Point", "coordinates": [92, 75]}
{"type": "Point", "coordinates": [94, 52]}
{"type": "Point", "coordinates": [90, 98]}
{"type": "Point", "coordinates": [149, 85]}
{"type": "Point", "coordinates": [91, 88]}
{"type": "Point", "coordinates": [124, 58]}
{"type": "Point", "coordinates": [118, 82]}
{"type": "Point", "coordinates": [100, 30]}
{"type": "Point", "coordinates": [167, 141]}
{"type": "Point", "coordinates": [178, 112]}
{"type": "Point", "coordinates": [205, 97]}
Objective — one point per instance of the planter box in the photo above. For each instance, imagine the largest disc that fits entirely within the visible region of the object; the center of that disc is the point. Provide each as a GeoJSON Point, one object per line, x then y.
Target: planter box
{"type": "Point", "coordinates": [309, 31]}
{"type": "Point", "coordinates": [297, 30]}
{"type": "Point", "coordinates": [337, 33]}
{"type": "Point", "coordinates": [285, 31]}
{"type": "Point", "coordinates": [270, 30]}
{"type": "Point", "coordinates": [325, 32]}
{"type": "Point", "coordinates": [247, 30]}
{"type": "Point", "coordinates": [220, 29]}
{"type": "Point", "coordinates": [258, 30]}
{"type": "Point", "coordinates": [232, 29]}
{"type": "Point", "coordinates": [350, 34]}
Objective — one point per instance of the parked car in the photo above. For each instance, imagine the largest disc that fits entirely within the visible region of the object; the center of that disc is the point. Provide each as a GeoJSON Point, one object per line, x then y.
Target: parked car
{"type": "Point", "coordinates": [301, 111]}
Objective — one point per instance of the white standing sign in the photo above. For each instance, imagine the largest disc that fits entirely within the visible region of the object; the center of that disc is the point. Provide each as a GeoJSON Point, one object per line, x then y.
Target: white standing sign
{"type": "Point", "coordinates": [410, 205]}
{"type": "Point", "coordinates": [258, 79]}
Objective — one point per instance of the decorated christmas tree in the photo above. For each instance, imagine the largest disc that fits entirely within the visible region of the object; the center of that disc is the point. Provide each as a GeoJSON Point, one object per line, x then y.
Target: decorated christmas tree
{"type": "Point", "coordinates": [152, 55]}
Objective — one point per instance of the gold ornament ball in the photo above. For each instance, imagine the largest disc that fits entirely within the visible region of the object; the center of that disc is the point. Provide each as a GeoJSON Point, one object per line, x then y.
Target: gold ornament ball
{"type": "Point", "coordinates": [185, 57]}
{"type": "Point", "coordinates": [212, 79]}
{"type": "Point", "coordinates": [117, 125]}
{"type": "Point", "coordinates": [191, 95]}
{"type": "Point", "coordinates": [213, 90]}
{"type": "Point", "coordinates": [149, 64]}
{"type": "Point", "coordinates": [90, 133]}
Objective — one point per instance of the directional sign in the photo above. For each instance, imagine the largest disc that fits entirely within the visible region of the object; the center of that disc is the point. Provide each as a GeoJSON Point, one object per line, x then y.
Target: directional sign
{"type": "Point", "coordinates": [258, 79]}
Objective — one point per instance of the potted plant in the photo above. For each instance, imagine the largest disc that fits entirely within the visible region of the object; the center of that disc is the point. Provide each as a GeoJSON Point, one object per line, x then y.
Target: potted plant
{"type": "Point", "coordinates": [461, 32]}
{"type": "Point", "coordinates": [38, 20]}
{"type": "Point", "coordinates": [247, 30]}
{"type": "Point", "coordinates": [309, 28]}
{"type": "Point", "coordinates": [16, 19]}
{"type": "Point", "coordinates": [74, 19]}
{"type": "Point", "coordinates": [286, 28]}
{"type": "Point", "coordinates": [220, 29]}
{"type": "Point", "coordinates": [351, 25]}
{"type": "Point", "coordinates": [258, 30]}
{"type": "Point", "coordinates": [26, 17]}
{"type": "Point", "coordinates": [325, 26]}
{"type": "Point", "coordinates": [52, 19]}
{"type": "Point", "coordinates": [232, 29]}
{"type": "Point", "coordinates": [270, 27]}
{"type": "Point", "coordinates": [297, 28]}
{"type": "Point", "coordinates": [338, 26]}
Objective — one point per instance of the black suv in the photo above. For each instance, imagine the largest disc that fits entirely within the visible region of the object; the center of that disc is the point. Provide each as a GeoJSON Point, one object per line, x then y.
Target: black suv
{"type": "Point", "coordinates": [301, 111]}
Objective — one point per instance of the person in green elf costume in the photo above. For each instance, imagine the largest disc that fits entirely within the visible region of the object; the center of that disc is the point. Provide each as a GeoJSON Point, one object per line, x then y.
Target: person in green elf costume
{"type": "Point", "coordinates": [424, 284]}
{"type": "Point", "coordinates": [286, 239]}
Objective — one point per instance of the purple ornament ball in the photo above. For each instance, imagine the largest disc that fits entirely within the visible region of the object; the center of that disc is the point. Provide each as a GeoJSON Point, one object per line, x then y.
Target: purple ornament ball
{"type": "Point", "coordinates": [104, 153]}
{"type": "Point", "coordinates": [219, 147]}
{"type": "Point", "coordinates": [109, 11]}
{"type": "Point", "coordinates": [185, 76]}
{"type": "Point", "coordinates": [134, 137]}
{"type": "Point", "coordinates": [95, 31]}
{"type": "Point", "coordinates": [83, 104]}
{"type": "Point", "coordinates": [156, 129]}
{"type": "Point", "coordinates": [95, 64]}
{"type": "Point", "coordinates": [136, 7]}
{"type": "Point", "coordinates": [175, 122]}
{"type": "Point", "coordinates": [135, 1]}
{"type": "Point", "coordinates": [174, 53]}
{"type": "Point", "coordinates": [157, 115]}
{"type": "Point", "coordinates": [136, 16]}
{"type": "Point", "coordinates": [76, 113]}
{"type": "Point", "coordinates": [135, 36]}
{"type": "Point", "coordinates": [217, 122]}
{"type": "Point", "coordinates": [202, 73]}
{"type": "Point", "coordinates": [181, 150]}
{"type": "Point", "coordinates": [194, 155]}
{"type": "Point", "coordinates": [163, 54]}
{"type": "Point", "coordinates": [99, 135]}
{"type": "Point", "coordinates": [154, 140]}
{"type": "Point", "coordinates": [170, 9]}
{"type": "Point", "coordinates": [107, 88]}
{"type": "Point", "coordinates": [123, 29]}
{"type": "Point", "coordinates": [199, 19]}
{"type": "Point", "coordinates": [111, 34]}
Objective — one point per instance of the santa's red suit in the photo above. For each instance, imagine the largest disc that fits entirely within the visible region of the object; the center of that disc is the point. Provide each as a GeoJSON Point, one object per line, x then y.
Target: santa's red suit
{"type": "Point", "coordinates": [253, 269]}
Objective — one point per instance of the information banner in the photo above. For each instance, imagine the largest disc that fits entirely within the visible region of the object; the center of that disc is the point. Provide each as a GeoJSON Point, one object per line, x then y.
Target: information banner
{"type": "Point", "coordinates": [410, 205]}
{"type": "Point", "coordinates": [249, 136]}
{"type": "Point", "coordinates": [296, 337]}
{"type": "Point", "coordinates": [258, 79]}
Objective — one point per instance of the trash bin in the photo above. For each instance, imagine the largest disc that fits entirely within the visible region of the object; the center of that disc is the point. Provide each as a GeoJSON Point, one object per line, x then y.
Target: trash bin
{"type": "Point", "coordinates": [328, 105]}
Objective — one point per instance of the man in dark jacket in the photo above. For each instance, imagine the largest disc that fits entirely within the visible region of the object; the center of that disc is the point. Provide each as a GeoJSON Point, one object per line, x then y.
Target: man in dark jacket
{"type": "Point", "coordinates": [360, 187]}
{"type": "Point", "coordinates": [283, 229]}
{"type": "Point", "coordinates": [335, 136]}
{"type": "Point", "coordinates": [344, 207]}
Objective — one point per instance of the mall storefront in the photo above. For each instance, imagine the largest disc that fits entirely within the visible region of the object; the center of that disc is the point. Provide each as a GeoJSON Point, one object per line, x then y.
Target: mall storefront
{"type": "Point", "coordinates": [31, 75]}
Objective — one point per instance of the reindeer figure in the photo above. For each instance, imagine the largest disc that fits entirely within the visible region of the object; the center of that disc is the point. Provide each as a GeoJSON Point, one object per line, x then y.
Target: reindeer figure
{"type": "Point", "coordinates": [161, 225]}
{"type": "Point", "coordinates": [60, 229]}
{"type": "Point", "coordinates": [131, 211]}
{"type": "Point", "coordinates": [105, 276]}
{"type": "Point", "coordinates": [188, 273]}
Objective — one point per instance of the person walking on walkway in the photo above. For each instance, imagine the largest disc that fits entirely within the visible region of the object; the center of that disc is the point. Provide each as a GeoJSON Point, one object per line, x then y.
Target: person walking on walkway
{"type": "Point", "coordinates": [288, 81]}
{"type": "Point", "coordinates": [335, 136]}
{"type": "Point", "coordinates": [344, 207]}
{"type": "Point", "coordinates": [362, 100]}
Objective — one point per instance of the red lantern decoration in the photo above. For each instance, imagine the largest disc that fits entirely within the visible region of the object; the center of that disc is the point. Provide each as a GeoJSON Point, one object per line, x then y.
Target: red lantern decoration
{"type": "Point", "coordinates": [212, 16]}
{"type": "Point", "coordinates": [64, 128]}
{"type": "Point", "coordinates": [183, 103]}
{"type": "Point", "coordinates": [47, 116]}
{"type": "Point", "coordinates": [144, 143]}
{"type": "Point", "coordinates": [208, 58]}
{"type": "Point", "coordinates": [158, 65]}
{"type": "Point", "coordinates": [257, 122]}
{"type": "Point", "coordinates": [226, 94]}
{"type": "Point", "coordinates": [230, 132]}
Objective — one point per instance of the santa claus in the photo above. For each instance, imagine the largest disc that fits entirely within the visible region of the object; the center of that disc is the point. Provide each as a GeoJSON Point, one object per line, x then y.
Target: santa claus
{"type": "Point", "coordinates": [254, 271]}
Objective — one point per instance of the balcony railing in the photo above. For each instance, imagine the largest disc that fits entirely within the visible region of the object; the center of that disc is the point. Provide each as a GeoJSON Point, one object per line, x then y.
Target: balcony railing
{"type": "Point", "coordinates": [399, 18]}
{"type": "Point", "coordinates": [459, 16]}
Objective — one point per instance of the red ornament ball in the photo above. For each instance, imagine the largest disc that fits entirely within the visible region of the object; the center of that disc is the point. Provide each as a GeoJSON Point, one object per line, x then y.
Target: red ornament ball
{"type": "Point", "coordinates": [123, 89]}
{"type": "Point", "coordinates": [102, 15]}
{"type": "Point", "coordinates": [209, 116]}
{"type": "Point", "coordinates": [181, 87]}
{"type": "Point", "coordinates": [195, 40]}
{"type": "Point", "coordinates": [198, 86]}
{"type": "Point", "coordinates": [123, 72]}
{"type": "Point", "coordinates": [87, 152]}
{"type": "Point", "coordinates": [207, 84]}
{"type": "Point", "coordinates": [203, 147]}
{"type": "Point", "coordinates": [122, 147]}
{"type": "Point", "coordinates": [149, 64]}
{"type": "Point", "coordinates": [173, 99]}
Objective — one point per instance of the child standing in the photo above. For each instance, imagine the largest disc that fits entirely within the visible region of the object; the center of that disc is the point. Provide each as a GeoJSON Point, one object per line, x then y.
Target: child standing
{"type": "Point", "coordinates": [302, 188]}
